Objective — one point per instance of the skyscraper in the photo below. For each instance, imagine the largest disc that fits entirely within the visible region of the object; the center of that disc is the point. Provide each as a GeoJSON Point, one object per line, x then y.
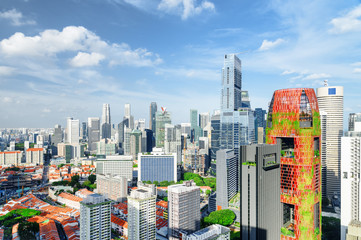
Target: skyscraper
{"type": "Point", "coordinates": [294, 123]}
{"type": "Point", "coordinates": [259, 122]}
{"type": "Point", "coordinates": [162, 118]}
{"type": "Point", "coordinates": [93, 133]}
{"type": "Point", "coordinates": [203, 119]}
{"type": "Point", "coordinates": [142, 213]}
{"type": "Point", "coordinates": [106, 122]}
{"type": "Point", "coordinates": [128, 115]}
{"type": "Point", "coordinates": [231, 98]}
{"type": "Point", "coordinates": [183, 208]}
{"type": "Point", "coordinates": [152, 111]}
{"type": "Point", "coordinates": [58, 135]}
{"type": "Point", "coordinates": [330, 101]}
{"type": "Point", "coordinates": [95, 211]}
{"type": "Point", "coordinates": [72, 130]}
{"type": "Point", "coordinates": [215, 133]}
{"type": "Point", "coordinates": [260, 191]}
{"type": "Point", "coordinates": [228, 179]}
{"type": "Point", "coordinates": [236, 123]}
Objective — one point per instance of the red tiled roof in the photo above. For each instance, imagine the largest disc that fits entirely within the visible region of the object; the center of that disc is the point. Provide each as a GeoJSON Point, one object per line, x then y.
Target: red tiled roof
{"type": "Point", "coordinates": [119, 221]}
{"type": "Point", "coordinates": [10, 152]}
{"type": "Point", "coordinates": [34, 149]}
{"type": "Point", "coordinates": [70, 197]}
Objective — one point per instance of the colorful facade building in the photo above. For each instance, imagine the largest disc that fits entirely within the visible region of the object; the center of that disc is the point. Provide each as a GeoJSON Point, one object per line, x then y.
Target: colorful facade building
{"type": "Point", "coordinates": [294, 122]}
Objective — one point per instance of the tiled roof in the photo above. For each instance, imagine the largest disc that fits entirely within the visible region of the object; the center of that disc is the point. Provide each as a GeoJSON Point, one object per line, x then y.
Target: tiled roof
{"type": "Point", "coordinates": [70, 197]}
{"type": "Point", "coordinates": [163, 204]}
{"type": "Point", "coordinates": [84, 192]}
{"type": "Point", "coordinates": [119, 221]}
{"type": "Point", "coordinates": [10, 152]}
{"type": "Point", "coordinates": [34, 149]}
{"type": "Point", "coordinates": [48, 230]}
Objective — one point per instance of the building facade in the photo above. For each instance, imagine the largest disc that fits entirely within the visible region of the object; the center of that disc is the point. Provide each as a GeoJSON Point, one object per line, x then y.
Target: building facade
{"type": "Point", "coordinates": [161, 118]}
{"type": "Point", "coordinates": [152, 111]}
{"type": "Point", "coordinates": [93, 133]}
{"type": "Point", "coordinates": [330, 101]}
{"type": "Point", "coordinates": [106, 122]}
{"type": "Point", "coordinates": [95, 212]}
{"type": "Point", "coordinates": [114, 186]}
{"type": "Point", "coordinates": [260, 190]}
{"type": "Point", "coordinates": [184, 209]}
{"type": "Point", "coordinates": [294, 122]}
{"type": "Point", "coordinates": [116, 165]}
{"type": "Point", "coordinates": [142, 214]}
{"type": "Point", "coordinates": [157, 167]}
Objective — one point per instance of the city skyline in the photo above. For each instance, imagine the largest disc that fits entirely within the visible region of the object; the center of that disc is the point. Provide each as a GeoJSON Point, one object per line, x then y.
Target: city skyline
{"type": "Point", "coordinates": [57, 62]}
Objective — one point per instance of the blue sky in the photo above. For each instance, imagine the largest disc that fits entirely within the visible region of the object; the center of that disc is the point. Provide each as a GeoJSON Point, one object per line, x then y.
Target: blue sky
{"type": "Point", "coordinates": [67, 58]}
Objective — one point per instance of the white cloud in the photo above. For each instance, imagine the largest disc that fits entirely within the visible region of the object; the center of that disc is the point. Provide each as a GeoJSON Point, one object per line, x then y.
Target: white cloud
{"type": "Point", "coordinates": [266, 45]}
{"type": "Point", "coordinates": [5, 71]}
{"type": "Point", "coordinates": [356, 64]}
{"type": "Point", "coordinates": [350, 22]}
{"type": "Point", "coordinates": [185, 8]}
{"type": "Point", "coordinates": [7, 99]}
{"type": "Point", "coordinates": [357, 70]}
{"type": "Point", "coordinates": [287, 72]}
{"type": "Point", "coordinates": [16, 18]}
{"type": "Point", "coordinates": [317, 76]}
{"type": "Point", "coordinates": [46, 110]}
{"type": "Point", "coordinates": [83, 59]}
{"type": "Point", "coordinates": [51, 42]}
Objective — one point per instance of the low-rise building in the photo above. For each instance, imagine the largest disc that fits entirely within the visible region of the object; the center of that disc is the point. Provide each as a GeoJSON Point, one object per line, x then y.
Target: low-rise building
{"type": "Point", "coordinates": [69, 200]}
{"type": "Point", "coordinates": [213, 232]}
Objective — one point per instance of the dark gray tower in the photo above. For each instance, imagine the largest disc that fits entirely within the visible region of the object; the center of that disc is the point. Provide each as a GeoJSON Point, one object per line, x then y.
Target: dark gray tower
{"type": "Point", "coordinates": [260, 190]}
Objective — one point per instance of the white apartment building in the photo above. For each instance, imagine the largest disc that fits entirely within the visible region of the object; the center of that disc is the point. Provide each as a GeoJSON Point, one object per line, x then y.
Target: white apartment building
{"type": "Point", "coordinates": [142, 213]}
{"type": "Point", "coordinates": [35, 156]}
{"type": "Point", "coordinates": [115, 187]}
{"type": "Point", "coordinates": [183, 209]}
{"type": "Point", "coordinates": [11, 158]}
{"type": "Point", "coordinates": [116, 165]}
{"type": "Point", "coordinates": [95, 213]}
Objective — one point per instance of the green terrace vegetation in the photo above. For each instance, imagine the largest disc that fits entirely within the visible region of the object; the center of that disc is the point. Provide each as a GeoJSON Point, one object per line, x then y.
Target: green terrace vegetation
{"type": "Point", "coordinates": [12, 169]}
{"type": "Point", "coordinates": [199, 181]}
{"type": "Point", "coordinates": [27, 230]}
{"type": "Point", "coordinates": [235, 235]}
{"type": "Point", "coordinates": [287, 232]}
{"type": "Point", "coordinates": [20, 146]}
{"type": "Point", "coordinates": [223, 217]}
{"type": "Point", "coordinates": [249, 163]}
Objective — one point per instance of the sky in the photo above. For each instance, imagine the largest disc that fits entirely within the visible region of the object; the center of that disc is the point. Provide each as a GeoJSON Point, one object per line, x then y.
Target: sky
{"type": "Point", "coordinates": [65, 58]}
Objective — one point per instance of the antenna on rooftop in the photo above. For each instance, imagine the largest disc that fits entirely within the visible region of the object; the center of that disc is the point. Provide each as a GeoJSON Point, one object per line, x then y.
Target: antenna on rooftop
{"type": "Point", "coordinates": [325, 83]}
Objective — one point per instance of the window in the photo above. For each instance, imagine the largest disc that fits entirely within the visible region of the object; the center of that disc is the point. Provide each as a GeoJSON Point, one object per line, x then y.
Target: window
{"type": "Point", "coordinates": [345, 175]}
{"type": "Point", "coordinates": [332, 91]}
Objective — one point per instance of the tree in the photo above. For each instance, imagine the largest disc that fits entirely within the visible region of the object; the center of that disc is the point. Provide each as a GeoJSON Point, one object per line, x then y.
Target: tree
{"type": "Point", "coordinates": [208, 192]}
{"type": "Point", "coordinates": [87, 184]}
{"type": "Point", "coordinates": [223, 217]}
{"type": "Point", "coordinates": [92, 178]}
{"type": "Point", "coordinates": [156, 183]}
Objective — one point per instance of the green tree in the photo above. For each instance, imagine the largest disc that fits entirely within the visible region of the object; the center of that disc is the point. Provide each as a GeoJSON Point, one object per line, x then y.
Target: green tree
{"type": "Point", "coordinates": [156, 183]}
{"type": "Point", "coordinates": [223, 217]}
{"type": "Point", "coordinates": [208, 192]}
{"type": "Point", "coordinates": [92, 178]}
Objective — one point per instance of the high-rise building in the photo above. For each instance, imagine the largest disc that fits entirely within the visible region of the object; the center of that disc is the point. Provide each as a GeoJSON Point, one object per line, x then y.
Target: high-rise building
{"type": "Point", "coordinates": [57, 136]}
{"type": "Point", "coordinates": [158, 166]}
{"type": "Point", "coordinates": [135, 143]}
{"type": "Point", "coordinates": [35, 156]}
{"type": "Point", "coordinates": [106, 122]}
{"type": "Point", "coordinates": [11, 158]}
{"type": "Point", "coordinates": [294, 123]}
{"type": "Point", "coordinates": [93, 133]}
{"type": "Point", "coordinates": [350, 175]}
{"type": "Point", "coordinates": [116, 165]}
{"type": "Point", "coordinates": [236, 122]}
{"type": "Point", "coordinates": [260, 191]}
{"type": "Point", "coordinates": [128, 115]}
{"type": "Point", "coordinates": [260, 122]}
{"type": "Point", "coordinates": [237, 129]}
{"type": "Point", "coordinates": [330, 101]}
{"type": "Point", "coordinates": [72, 130]}
{"type": "Point", "coordinates": [161, 118]}
{"type": "Point", "coordinates": [215, 133]}
{"type": "Point", "coordinates": [142, 213]}
{"type": "Point", "coordinates": [231, 98]}
{"type": "Point", "coordinates": [184, 209]}
{"type": "Point", "coordinates": [228, 184]}
{"type": "Point", "coordinates": [194, 118]}
{"type": "Point", "coordinates": [95, 212]}
{"type": "Point", "coordinates": [106, 147]}
{"type": "Point", "coordinates": [114, 186]}
{"type": "Point", "coordinates": [203, 119]}
{"type": "Point", "coordinates": [353, 117]}
{"type": "Point", "coordinates": [246, 101]}
{"type": "Point", "coordinates": [186, 128]}
{"type": "Point", "coordinates": [152, 111]}
{"type": "Point", "coordinates": [84, 130]}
